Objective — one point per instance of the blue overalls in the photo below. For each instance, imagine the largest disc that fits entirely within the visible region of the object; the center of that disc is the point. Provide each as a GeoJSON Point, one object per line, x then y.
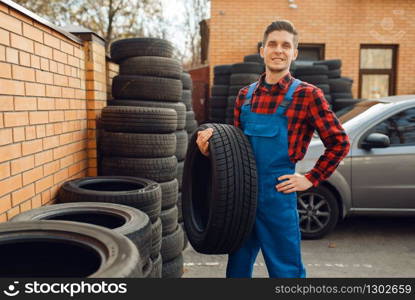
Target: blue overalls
{"type": "Point", "coordinates": [276, 230]}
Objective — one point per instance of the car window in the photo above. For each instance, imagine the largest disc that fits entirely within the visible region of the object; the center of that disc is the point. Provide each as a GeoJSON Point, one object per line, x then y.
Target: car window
{"type": "Point", "coordinates": [349, 112]}
{"type": "Point", "coordinates": [400, 128]}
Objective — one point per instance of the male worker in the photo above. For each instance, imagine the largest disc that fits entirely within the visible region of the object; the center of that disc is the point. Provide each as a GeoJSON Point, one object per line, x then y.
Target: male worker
{"type": "Point", "coordinates": [279, 114]}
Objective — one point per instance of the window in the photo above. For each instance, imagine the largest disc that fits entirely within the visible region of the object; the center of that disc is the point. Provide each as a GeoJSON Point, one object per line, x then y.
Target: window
{"type": "Point", "coordinates": [400, 128]}
{"type": "Point", "coordinates": [377, 71]}
{"type": "Point", "coordinates": [310, 52]}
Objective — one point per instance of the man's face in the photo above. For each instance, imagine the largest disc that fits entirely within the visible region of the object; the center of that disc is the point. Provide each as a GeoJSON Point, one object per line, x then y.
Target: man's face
{"type": "Point", "coordinates": [278, 51]}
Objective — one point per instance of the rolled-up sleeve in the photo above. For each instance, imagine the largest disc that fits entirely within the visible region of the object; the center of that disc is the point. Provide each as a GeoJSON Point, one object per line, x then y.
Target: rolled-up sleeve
{"type": "Point", "coordinates": [332, 134]}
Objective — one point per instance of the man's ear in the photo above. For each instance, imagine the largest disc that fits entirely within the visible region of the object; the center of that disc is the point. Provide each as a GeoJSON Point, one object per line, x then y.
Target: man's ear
{"type": "Point", "coordinates": [295, 53]}
{"type": "Point", "coordinates": [261, 51]}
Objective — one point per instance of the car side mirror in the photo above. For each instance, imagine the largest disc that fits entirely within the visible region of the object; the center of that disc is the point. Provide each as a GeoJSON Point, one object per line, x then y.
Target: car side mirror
{"type": "Point", "coordinates": [376, 140]}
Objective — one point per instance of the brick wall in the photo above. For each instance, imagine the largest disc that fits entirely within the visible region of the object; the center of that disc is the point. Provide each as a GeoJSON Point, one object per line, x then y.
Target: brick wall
{"type": "Point", "coordinates": [52, 87]}
{"type": "Point", "coordinates": [236, 26]}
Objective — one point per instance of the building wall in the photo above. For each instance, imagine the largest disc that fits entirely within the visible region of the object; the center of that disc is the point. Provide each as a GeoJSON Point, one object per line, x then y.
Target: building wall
{"type": "Point", "coordinates": [236, 26]}
{"type": "Point", "coordinates": [51, 89]}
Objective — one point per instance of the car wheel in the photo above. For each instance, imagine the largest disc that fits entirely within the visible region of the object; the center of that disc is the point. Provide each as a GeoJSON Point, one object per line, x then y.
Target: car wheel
{"type": "Point", "coordinates": [318, 212]}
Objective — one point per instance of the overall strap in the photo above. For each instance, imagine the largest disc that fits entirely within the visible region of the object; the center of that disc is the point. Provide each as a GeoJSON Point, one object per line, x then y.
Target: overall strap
{"type": "Point", "coordinates": [251, 90]}
{"type": "Point", "coordinates": [289, 95]}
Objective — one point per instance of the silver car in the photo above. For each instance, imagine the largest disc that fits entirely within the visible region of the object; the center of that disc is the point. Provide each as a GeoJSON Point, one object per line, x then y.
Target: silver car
{"type": "Point", "coordinates": [378, 174]}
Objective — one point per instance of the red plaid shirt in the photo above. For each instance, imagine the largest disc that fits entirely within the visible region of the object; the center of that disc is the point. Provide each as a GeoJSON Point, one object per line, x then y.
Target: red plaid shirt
{"type": "Point", "coordinates": [308, 111]}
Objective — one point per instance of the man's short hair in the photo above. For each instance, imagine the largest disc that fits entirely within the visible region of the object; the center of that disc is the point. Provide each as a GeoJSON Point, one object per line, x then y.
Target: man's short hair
{"type": "Point", "coordinates": [281, 25]}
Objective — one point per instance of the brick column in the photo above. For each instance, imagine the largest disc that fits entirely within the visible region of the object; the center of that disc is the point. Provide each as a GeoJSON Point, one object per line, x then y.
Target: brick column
{"type": "Point", "coordinates": [96, 90]}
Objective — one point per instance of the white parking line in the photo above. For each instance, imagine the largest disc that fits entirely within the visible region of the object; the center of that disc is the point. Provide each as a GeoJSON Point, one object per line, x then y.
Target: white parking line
{"type": "Point", "coordinates": [336, 265]}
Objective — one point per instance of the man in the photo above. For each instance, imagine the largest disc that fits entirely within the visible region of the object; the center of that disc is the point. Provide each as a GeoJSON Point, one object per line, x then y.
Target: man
{"type": "Point", "coordinates": [279, 115]}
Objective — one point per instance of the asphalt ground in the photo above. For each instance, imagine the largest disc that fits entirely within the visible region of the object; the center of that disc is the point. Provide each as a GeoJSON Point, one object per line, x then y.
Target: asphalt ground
{"type": "Point", "coordinates": [358, 247]}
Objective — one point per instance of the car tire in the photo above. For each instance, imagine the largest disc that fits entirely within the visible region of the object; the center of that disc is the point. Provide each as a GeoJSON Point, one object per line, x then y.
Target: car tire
{"type": "Point", "coordinates": [126, 220]}
{"type": "Point", "coordinates": [325, 209]}
{"type": "Point", "coordinates": [325, 88]}
{"type": "Point", "coordinates": [152, 66]}
{"type": "Point", "coordinates": [169, 191]}
{"type": "Point", "coordinates": [160, 169]}
{"type": "Point", "coordinates": [179, 207]}
{"type": "Point", "coordinates": [186, 81]}
{"type": "Point", "coordinates": [234, 89]}
{"type": "Point", "coordinates": [169, 220]}
{"type": "Point", "coordinates": [137, 144]}
{"type": "Point", "coordinates": [220, 91]}
{"type": "Point", "coordinates": [187, 99]}
{"type": "Point", "coordinates": [66, 249]}
{"type": "Point", "coordinates": [157, 267]}
{"type": "Point", "coordinates": [181, 144]}
{"type": "Point", "coordinates": [243, 79]}
{"type": "Point", "coordinates": [146, 87]}
{"type": "Point", "coordinates": [156, 234]}
{"type": "Point", "coordinates": [179, 107]}
{"type": "Point", "coordinates": [138, 119]}
{"type": "Point", "coordinates": [218, 101]}
{"type": "Point", "coordinates": [180, 166]}
{"type": "Point", "coordinates": [336, 73]}
{"type": "Point", "coordinates": [221, 79]}
{"type": "Point", "coordinates": [126, 48]}
{"type": "Point", "coordinates": [314, 79]}
{"type": "Point", "coordinates": [332, 64]}
{"type": "Point", "coordinates": [254, 58]}
{"type": "Point", "coordinates": [221, 189]}
{"type": "Point", "coordinates": [173, 268]}
{"type": "Point", "coordinates": [310, 70]}
{"type": "Point", "coordinates": [222, 70]}
{"type": "Point", "coordinates": [140, 193]}
{"type": "Point", "coordinates": [248, 67]}
{"type": "Point", "coordinates": [339, 85]}
{"type": "Point", "coordinates": [172, 244]}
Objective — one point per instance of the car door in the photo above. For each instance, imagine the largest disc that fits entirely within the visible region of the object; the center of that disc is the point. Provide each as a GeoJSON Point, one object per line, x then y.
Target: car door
{"type": "Point", "coordinates": [385, 177]}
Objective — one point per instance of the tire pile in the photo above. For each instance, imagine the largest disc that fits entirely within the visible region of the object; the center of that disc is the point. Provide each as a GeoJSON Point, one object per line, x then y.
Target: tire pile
{"type": "Point", "coordinates": [219, 94]}
{"type": "Point", "coordinates": [316, 75]}
{"type": "Point", "coordinates": [182, 142]}
{"type": "Point", "coordinates": [191, 123]}
{"type": "Point", "coordinates": [150, 117]}
{"type": "Point", "coordinates": [105, 210]}
{"type": "Point", "coordinates": [236, 76]}
{"type": "Point", "coordinates": [326, 74]}
{"type": "Point", "coordinates": [242, 74]}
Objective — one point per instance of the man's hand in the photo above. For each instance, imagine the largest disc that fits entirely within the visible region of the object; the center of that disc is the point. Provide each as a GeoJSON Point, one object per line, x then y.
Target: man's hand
{"type": "Point", "coordinates": [202, 140]}
{"type": "Point", "coordinates": [295, 182]}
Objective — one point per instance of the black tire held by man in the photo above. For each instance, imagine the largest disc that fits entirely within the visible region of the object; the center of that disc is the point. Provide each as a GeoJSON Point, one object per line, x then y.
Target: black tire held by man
{"type": "Point", "coordinates": [126, 220]}
{"type": "Point", "coordinates": [219, 193]}
{"type": "Point", "coordinates": [66, 249]}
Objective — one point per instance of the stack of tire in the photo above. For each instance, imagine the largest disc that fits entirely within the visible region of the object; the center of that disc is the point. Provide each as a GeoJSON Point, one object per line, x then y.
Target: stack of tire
{"type": "Point", "coordinates": [254, 58]}
{"type": "Point", "coordinates": [242, 74]}
{"type": "Point", "coordinates": [191, 123]}
{"type": "Point", "coordinates": [102, 201]}
{"type": "Point", "coordinates": [316, 75]}
{"type": "Point", "coordinates": [340, 87]}
{"type": "Point", "coordinates": [142, 126]}
{"type": "Point", "coordinates": [219, 93]}
{"type": "Point", "coordinates": [182, 141]}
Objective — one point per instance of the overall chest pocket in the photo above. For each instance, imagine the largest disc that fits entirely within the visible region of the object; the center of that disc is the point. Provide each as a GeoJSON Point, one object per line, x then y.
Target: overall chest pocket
{"type": "Point", "coordinates": [263, 129]}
